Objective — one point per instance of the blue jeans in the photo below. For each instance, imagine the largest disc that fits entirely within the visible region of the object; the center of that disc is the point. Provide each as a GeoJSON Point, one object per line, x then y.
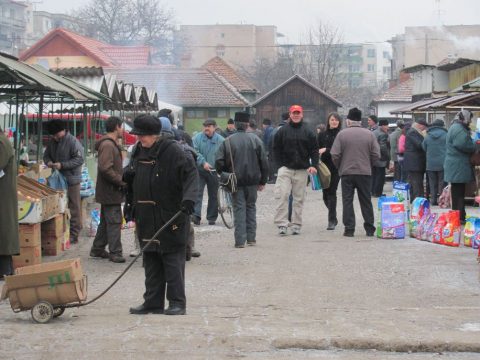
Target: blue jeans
{"type": "Point", "coordinates": [210, 179]}
{"type": "Point", "coordinates": [245, 214]}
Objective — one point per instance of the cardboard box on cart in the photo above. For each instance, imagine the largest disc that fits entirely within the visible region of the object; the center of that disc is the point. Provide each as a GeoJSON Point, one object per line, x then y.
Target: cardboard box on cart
{"type": "Point", "coordinates": [59, 282]}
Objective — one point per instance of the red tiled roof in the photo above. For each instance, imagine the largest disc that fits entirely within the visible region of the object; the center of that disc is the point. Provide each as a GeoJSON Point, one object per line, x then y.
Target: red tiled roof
{"type": "Point", "coordinates": [184, 87]}
{"type": "Point", "coordinates": [219, 66]}
{"type": "Point", "coordinates": [398, 93]}
{"type": "Point", "coordinates": [105, 54]}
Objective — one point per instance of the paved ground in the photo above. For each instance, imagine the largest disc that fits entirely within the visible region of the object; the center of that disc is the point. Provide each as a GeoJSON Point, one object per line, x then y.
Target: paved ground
{"type": "Point", "coordinates": [314, 296]}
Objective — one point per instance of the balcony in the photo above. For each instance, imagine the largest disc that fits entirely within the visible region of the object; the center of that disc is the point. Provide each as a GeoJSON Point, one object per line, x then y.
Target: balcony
{"type": "Point", "coordinates": [12, 22]}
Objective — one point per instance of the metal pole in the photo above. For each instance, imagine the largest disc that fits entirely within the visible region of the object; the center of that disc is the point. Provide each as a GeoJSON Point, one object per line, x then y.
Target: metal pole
{"type": "Point", "coordinates": [40, 128]}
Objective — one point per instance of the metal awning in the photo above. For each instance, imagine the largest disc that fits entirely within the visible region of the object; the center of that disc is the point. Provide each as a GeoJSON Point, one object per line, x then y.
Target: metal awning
{"type": "Point", "coordinates": [414, 106]}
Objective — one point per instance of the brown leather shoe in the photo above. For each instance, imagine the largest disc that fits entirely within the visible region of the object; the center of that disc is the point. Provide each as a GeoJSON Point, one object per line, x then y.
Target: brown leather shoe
{"type": "Point", "coordinates": [116, 258]}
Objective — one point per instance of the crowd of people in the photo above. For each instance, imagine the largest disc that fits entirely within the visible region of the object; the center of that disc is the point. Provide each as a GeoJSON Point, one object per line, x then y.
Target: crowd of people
{"type": "Point", "coordinates": [166, 174]}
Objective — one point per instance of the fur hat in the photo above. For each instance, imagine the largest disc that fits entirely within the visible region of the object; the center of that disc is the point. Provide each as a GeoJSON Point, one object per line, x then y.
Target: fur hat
{"type": "Point", "coordinates": [230, 121]}
{"type": "Point", "coordinates": [354, 114]}
{"type": "Point", "coordinates": [382, 122]}
{"type": "Point", "coordinates": [242, 116]}
{"type": "Point", "coordinates": [55, 126]}
{"type": "Point", "coordinates": [421, 121]}
{"type": "Point", "coordinates": [146, 125]}
{"type": "Point", "coordinates": [465, 116]}
{"type": "Point", "coordinates": [438, 123]}
{"type": "Point", "coordinates": [400, 123]}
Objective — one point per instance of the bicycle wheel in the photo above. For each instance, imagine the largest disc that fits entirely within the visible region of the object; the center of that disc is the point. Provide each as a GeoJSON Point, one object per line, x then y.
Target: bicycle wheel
{"type": "Point", "coordinates": [225, 207]}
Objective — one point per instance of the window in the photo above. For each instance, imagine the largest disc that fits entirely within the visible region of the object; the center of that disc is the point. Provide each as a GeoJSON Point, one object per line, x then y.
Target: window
{"type": "Point", "coordinates": [371, 67]}
{"type": "Point", "coordinates": [371, 53]}
{"type": "Point", "coordinates": [220, 50]}
{"type": "Point", "coordinates": [199, 114]}
{"type": "Point", "coordinates": [12, 13]}
{"type": "Point", "coordinates": [386, 55]}
{"type": "Point", "coordinates": [222, 35]}
{"type": "Point", "coordinates": [191, 114]}
{"type": "Point", "coordinates": [386, 70]}
{"type": "Point", "coordinates": [354, 68]}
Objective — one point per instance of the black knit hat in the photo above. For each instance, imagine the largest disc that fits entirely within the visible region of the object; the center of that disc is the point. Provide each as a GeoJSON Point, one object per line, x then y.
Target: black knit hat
{"type": "Point", "coordinates": [146, 125]}
{"type": "Point", "coordinates": [382, 122]}
{"type": "Point", "coordinates": [55, 126]}
{"type": "Point", "coordinates": [354, 114]}
{"type": "Point", "coordinates": [242, 116]}
{"type": "Point", "coordinates": [230, 121]}
{"type": "Point", "coordinates": [421, 121]}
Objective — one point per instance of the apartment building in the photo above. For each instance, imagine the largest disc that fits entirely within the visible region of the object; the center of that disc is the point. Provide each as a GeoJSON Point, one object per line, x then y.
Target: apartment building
{"type": "Point", "coordinates": [13, 23]}
{"type": "Point", "coordinates": [364, 65]}
{"type": "Point", "coordinates": [240, 45]}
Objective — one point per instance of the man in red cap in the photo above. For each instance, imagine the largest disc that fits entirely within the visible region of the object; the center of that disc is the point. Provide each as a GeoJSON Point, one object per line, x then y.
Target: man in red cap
{"type": "Point", "coordinates": [295, 151]}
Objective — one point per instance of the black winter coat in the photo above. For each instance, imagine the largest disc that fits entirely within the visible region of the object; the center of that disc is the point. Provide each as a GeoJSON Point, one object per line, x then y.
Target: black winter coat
{"type": "Point", "coordinates": [325, 140]}
{"type": "Point", "coordinates": [161, 178]}
{"type": "Point", "coordinates": [249, 158]}
{"type": "Point", "coordinates": [415, 158]}
{"type": "Point", "coordinates": [295, 146]}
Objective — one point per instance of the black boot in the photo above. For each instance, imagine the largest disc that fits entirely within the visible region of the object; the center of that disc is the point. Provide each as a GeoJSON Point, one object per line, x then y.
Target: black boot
{"type": "Point", "coordinates": [175, 309]}
{"type": "Point", "coordinates": [332, 213]}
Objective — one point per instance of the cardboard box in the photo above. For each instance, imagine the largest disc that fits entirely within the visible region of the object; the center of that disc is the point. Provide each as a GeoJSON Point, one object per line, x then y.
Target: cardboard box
{"type": "Point", "coordinates": [52, 245]}
{"type": "Point", "coordinates": [29, 235]}
{"type": "Point", "coordinates": [59, 282]}
{"type": "Point", "coordinates": [31, 255]}
{"type": "Point", "coordinates": [30, 212]}
{"type": "Point", "coordinates": [53, 227]}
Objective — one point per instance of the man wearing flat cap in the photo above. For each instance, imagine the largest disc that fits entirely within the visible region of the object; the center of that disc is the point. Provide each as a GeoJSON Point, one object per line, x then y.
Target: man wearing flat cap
{"type": "Point", "coordinates": [354, 152]}
{"type": "Point", "coordinates": [379, 167]}
{"type": "Point", "coordinates": [206, 144]}
{"type": "Point", "coordinates": [295, 150]}
{"type": "Point", "coordinates": [161, 180]}
{"type": "Point", "coordinates": [251, 169]}
{"type": "Point", "coordinates": [65, 153]}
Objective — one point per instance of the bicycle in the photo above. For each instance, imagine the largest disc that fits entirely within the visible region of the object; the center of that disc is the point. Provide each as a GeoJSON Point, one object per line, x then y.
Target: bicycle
{"type": "Point", "coordinates": [225, 206]}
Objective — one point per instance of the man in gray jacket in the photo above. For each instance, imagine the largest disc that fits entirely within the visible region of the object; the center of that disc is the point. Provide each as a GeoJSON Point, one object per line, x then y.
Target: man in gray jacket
{"type": "Point", "coordinates": [65, 153]}
{"type": "Point", "coordinates": [354, 152]}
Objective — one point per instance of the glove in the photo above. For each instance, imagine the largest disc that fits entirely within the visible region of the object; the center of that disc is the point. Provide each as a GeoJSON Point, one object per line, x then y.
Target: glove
{"type": "Point", "coordinates": [128, 212]}
{"type": "Point", "coordinates": [187, 207]}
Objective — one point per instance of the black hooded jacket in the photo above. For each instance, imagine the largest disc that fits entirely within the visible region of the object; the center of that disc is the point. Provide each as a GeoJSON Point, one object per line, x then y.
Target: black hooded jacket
{"type": "Point", "coordinates": [161, 178]}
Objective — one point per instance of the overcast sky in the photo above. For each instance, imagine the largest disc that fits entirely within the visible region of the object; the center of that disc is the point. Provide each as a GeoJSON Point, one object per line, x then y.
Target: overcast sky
{"type": "Point", "coordinates": [359, 20]}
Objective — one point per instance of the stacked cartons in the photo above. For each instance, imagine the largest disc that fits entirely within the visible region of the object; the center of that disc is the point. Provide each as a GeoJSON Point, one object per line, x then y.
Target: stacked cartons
{"type": "Point", "coordinates": [66, 230]}
{"type": "Point", "coordinates": [53, 236]}
{"type": "Point", "coordinates": [30, 246]}
{"type": "Point", "coordinates": [31, 193]}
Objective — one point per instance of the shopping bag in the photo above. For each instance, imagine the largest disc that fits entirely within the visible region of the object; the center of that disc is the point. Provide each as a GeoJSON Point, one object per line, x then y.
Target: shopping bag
{"type": "Point", "coordinates": [315, 182]}
{"type": "Point", "coordinates": [324, 174]}
{"type": "Point", "coordinates": [57, 181]}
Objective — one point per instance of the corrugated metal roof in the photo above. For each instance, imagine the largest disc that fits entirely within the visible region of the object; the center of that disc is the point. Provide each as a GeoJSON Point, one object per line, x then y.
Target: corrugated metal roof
{"type": "Point", "coordinates": [449, 101]}
{"type": "Point", "coordinates": [413, 106]}
{"type": "Point", "coordinates": [41, 81]}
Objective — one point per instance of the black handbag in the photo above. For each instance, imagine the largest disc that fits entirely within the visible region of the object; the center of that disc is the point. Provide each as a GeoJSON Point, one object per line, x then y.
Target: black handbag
{"type": "Point", "coordinates": [229, 180]}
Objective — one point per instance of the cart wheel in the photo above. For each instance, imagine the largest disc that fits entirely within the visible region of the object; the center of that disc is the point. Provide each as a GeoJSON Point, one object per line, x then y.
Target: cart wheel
{"type": "Point", "coordinates": [42, 312]}
{"type": "Point", "coordinates": [58, 311]}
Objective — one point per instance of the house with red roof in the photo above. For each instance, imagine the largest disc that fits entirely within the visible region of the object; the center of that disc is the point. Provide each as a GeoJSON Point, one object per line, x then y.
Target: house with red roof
{"type": "Point", "coordinates": [62, 48]}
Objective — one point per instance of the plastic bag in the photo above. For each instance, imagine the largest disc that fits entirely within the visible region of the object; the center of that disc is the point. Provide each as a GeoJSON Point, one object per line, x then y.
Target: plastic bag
{"type": "Point", "coordinates": [57, 181]}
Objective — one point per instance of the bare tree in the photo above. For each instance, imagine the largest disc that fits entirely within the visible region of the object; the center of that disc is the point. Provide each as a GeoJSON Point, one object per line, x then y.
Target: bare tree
{"type": "Point", "coordinates": [317, 57]}
{"type": "Point", "coordinates": [126, 22]}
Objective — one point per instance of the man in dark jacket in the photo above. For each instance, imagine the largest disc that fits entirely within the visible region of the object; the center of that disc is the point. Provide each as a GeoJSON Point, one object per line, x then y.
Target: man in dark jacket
{"type": "Point", "coordinates": [434, 145]}
{"type": "Point", "coordinates": [379, 167]}
{"type": "Point", "coordinates": [415, 159]}
{"type": "Point", "coordinates": [393, 138]}
{"type": "Point", "coordinates": [230, 130]}
{"type": "Point", "coordinates": [163, 181]}
{"type": "Point", "coordinates": [109, 193]}
{"type": "Point", "coordinates": [251, 169]}
{"type": "Point", "coordinates": [9, 244]}
{"type": "Point", "coordinates": [354, 152]}
{"type": "Point", "coordinates": [65, 153]}
{"type": "Point", "coordinates": [295, 150]}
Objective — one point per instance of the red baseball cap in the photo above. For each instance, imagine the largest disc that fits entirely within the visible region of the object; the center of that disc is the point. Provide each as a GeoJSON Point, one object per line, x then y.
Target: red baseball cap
{"type": "Point", "coordinates": [294, 108]}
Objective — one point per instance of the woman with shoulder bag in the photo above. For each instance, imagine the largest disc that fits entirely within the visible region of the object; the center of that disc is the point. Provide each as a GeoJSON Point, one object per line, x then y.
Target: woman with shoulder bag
{"type": "Point", "coordinates": [325, 142]}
